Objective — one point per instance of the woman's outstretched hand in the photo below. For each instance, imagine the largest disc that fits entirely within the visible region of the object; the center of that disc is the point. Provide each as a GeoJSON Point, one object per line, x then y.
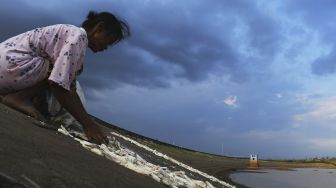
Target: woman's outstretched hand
{"type": "Point", "coordinates": [72, 103]}
{"type": "Point", "coordinates": [94, 134]}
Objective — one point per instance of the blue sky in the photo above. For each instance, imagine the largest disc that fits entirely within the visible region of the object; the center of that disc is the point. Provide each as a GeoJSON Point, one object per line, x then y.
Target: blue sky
{"type": "Point", "coordinates": [251, 76]}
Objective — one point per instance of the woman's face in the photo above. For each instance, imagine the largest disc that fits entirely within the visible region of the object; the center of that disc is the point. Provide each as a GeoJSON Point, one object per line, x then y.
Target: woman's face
{"type": "Point", "coordinates": [99, 39]}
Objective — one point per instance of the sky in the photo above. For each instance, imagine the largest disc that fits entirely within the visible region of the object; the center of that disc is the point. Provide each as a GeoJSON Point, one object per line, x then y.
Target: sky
{"type": "Point", "coordinates": [229, 77]}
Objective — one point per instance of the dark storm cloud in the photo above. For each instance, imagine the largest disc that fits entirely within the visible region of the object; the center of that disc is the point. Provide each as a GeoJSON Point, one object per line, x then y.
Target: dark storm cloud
{"type": "Point", "coordinates": [189, 40]}
{"type": "Point", "coordinates": [124, 64]}
{"type": "Point", "coordinates": [180, 41]}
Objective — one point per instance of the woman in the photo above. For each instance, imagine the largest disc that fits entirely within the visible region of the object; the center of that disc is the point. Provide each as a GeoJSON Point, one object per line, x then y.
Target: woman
{"type": "Point", "coordinates": [51, 58]}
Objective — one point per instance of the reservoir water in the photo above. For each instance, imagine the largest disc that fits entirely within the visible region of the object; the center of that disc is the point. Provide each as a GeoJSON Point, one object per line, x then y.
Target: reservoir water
{"type": "Point", "coordinates": [295, 178]}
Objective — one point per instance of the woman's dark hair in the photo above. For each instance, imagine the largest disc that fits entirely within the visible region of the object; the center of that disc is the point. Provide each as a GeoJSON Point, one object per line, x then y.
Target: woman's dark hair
{"type": "Point", "coordinates": [112, 24]}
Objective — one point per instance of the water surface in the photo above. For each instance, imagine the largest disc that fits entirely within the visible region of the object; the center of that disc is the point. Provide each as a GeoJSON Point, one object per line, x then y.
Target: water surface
{"type": "Point", "coordinates": [297, 178]}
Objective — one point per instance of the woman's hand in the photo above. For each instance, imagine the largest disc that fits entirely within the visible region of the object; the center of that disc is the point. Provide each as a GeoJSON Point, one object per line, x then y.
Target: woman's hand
{"type": "Point", "coordinates": [94, 134]}
{"type": "Point", "coordinates": [72, 103]}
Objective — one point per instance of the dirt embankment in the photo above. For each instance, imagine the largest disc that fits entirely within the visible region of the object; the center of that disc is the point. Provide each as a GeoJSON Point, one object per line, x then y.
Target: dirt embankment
{"type": "Point", "coordinates": [32, 155]}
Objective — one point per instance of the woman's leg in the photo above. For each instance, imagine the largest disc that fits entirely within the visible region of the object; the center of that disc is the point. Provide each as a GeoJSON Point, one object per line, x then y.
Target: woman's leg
{"type": "Point", "coordinates": [22, 100]}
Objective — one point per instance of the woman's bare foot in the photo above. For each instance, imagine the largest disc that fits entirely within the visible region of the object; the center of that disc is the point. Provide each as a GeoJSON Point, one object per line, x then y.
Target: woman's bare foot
{"type": "Point", "coordinates": [23, 106]}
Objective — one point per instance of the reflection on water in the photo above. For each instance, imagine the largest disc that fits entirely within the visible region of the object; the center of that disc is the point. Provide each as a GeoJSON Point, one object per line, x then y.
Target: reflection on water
{"type": "Point", "coordinates": [298, 178]}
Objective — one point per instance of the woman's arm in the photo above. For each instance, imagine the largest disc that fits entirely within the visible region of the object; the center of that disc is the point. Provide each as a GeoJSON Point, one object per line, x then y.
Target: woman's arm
{"type": "Point", "coordinates": [71, 102]}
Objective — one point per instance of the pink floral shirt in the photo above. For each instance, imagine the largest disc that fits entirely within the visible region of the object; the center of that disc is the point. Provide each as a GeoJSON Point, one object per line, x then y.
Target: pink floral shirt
{"type": "Point", "coordinates": [55, 52]}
